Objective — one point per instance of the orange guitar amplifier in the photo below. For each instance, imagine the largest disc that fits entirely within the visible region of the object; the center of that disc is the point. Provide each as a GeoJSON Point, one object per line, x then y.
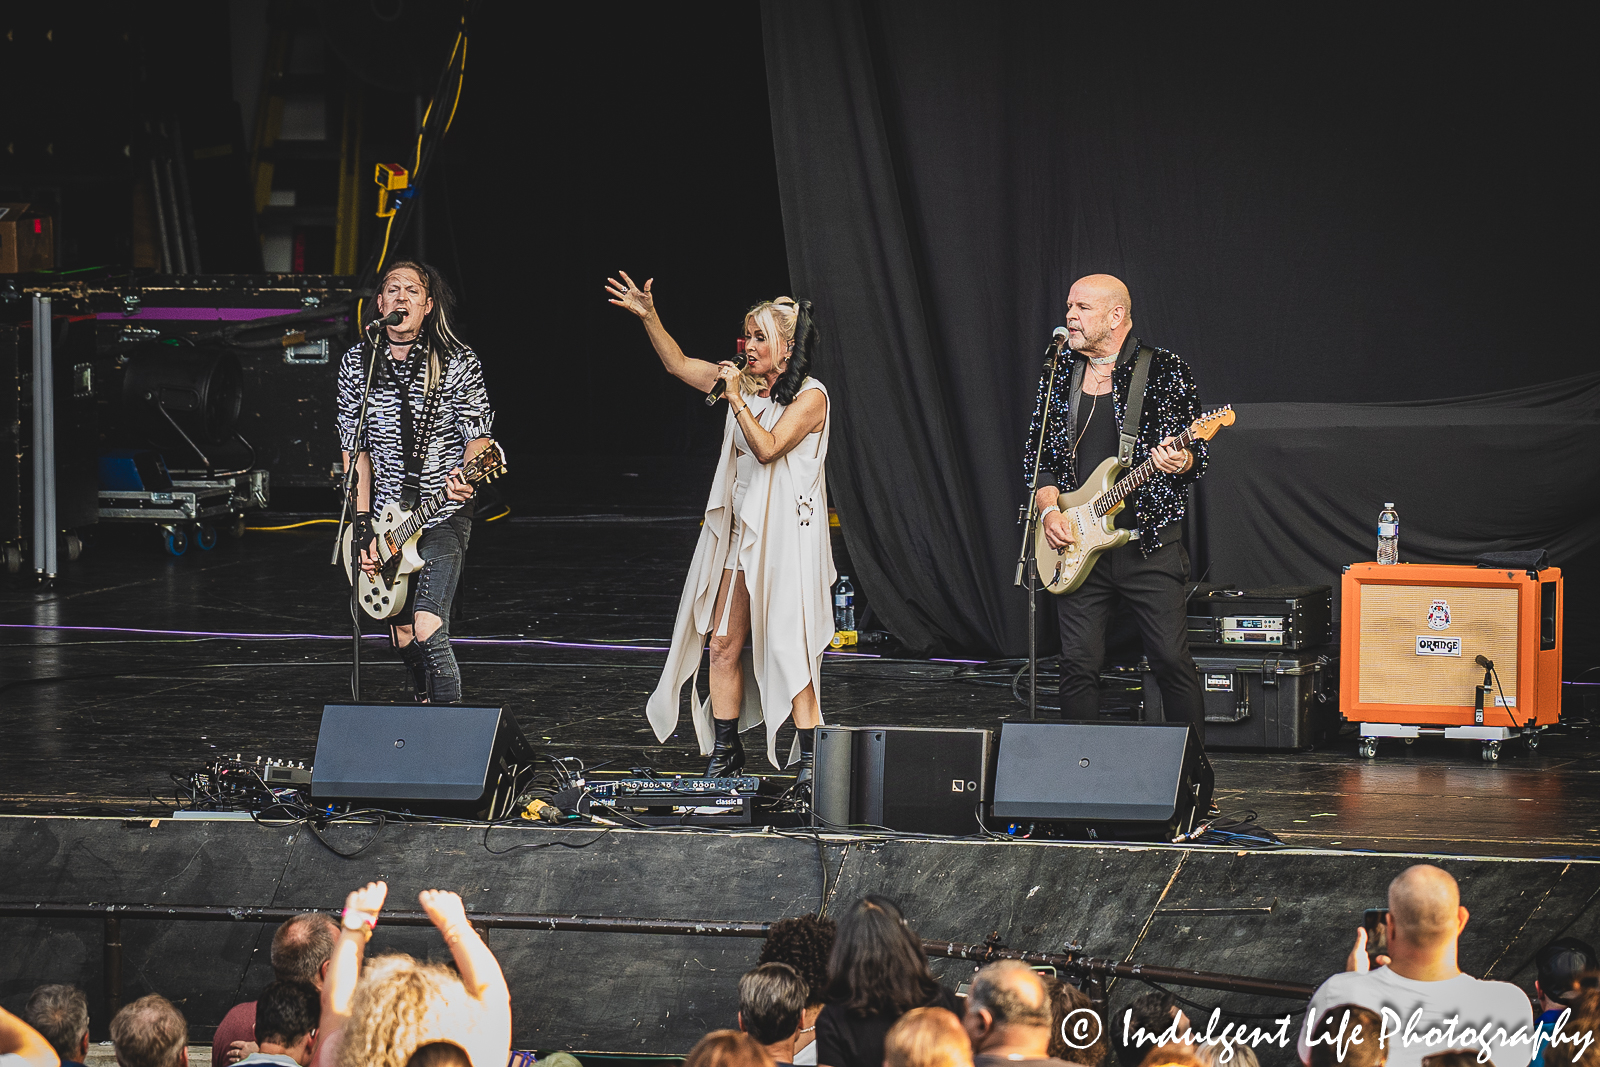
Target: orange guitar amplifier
{"type": "Point", "coordinates": [1410, 635]}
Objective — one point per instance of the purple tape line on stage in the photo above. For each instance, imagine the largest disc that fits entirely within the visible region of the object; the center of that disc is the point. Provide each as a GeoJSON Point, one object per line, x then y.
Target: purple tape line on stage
{"type": "Point", "coordinates": [380, 637]}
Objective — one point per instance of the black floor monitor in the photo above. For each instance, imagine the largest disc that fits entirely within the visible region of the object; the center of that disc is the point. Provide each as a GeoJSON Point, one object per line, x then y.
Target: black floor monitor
{"type": "Point", "coordinates": [1107, 781]}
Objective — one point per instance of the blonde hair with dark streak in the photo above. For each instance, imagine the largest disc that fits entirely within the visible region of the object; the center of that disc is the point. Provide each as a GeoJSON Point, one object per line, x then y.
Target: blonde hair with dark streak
{"type": "Point", "coordinates": [402, 1004]}
{"type": "Point", "coordinates": [783, 320]}
{"type": "Point", "coordinates": [438, 328]}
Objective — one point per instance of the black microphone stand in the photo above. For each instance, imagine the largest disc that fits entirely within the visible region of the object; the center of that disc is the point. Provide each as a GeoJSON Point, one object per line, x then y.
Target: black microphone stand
{"type": "Point", "coordinates": [351, 476]}
{"type": "Point", "coordinates": [1027, 562]}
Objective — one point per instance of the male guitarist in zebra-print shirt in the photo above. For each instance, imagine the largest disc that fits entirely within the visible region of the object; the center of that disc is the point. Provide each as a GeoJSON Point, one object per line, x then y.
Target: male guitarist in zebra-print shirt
{"type": "Point", "coordinates": [414, 448]}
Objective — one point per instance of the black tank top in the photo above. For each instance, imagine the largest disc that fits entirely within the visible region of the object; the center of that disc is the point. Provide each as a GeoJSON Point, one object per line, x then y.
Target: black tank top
{"type": "Point", "coordinates": [1097, 442]}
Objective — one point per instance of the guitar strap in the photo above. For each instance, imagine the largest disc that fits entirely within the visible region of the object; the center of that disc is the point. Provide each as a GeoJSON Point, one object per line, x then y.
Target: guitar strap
{"type": "Point", "coordinates": [1074, 395]}
{"type": "Point", "coordinates": [413, 437]}
{"type": "Point", "coordinates": [1127, 441]}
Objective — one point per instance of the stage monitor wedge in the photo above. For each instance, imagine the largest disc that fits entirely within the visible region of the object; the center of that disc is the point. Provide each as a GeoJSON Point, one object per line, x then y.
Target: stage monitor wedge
{"type": "Point", "coordinates": [1105, 781]}
{"type": "Point", "coordinates": [912, 779]}
{"type": "Point", "coordinates": [441, 759]}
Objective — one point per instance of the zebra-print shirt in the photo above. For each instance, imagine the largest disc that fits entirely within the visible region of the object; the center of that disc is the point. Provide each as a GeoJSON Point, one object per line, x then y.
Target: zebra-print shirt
{"type": "Point", "coordinates": [464, 414]}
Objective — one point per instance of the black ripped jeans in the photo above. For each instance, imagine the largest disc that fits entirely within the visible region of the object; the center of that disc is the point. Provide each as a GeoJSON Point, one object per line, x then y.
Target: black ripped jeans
{"type": "Point", "coordinates": [1154, 589]}
{"type": "Point", "coordinates": [443, 549]}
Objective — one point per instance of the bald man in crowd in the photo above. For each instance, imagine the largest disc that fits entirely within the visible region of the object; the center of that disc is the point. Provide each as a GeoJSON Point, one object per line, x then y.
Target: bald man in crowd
{"type": "Point", "coordinates": [1420, 974]}
{"type": "Point", "coordinates": [301, 949]}
{"type": "Point", "coordinates": [1008, 1017]}
{"type": "Point", "coordinates": [1088, 406]}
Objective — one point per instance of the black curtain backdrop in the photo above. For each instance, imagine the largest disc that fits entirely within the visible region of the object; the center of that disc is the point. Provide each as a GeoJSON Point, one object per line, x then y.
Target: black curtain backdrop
{"type": "Point", "coordinates": [1296, 488]}
{"type": "Point", "coordinates": [1311, 206]}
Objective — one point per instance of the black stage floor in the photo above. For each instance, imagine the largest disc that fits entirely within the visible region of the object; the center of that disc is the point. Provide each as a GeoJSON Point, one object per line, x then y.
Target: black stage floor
{"type": "Point", "coordinates": [573, 613]}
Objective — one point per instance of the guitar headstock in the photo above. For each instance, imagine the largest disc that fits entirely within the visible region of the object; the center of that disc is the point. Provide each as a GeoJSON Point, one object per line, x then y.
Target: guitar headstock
{"type": "Point", "coordinates": [486, 466]}
{"type": "Point", "coordinates": [1206, 426]}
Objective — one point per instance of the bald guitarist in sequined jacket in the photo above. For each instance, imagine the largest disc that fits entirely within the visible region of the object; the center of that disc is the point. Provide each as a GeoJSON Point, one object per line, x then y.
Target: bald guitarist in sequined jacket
{"type": "Point", "coordinates": [1149, 573]}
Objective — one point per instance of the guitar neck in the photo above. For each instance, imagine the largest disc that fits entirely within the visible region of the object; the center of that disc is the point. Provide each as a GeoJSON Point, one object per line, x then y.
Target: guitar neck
{"type": "Point", "coordinates": [1131, 481]}
{"type": "Point", "coordinates": [419, 518]}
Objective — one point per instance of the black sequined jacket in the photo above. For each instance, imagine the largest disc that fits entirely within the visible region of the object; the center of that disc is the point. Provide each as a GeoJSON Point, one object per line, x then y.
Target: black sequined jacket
{"type": "Point", "coordinates": [1171, 403]}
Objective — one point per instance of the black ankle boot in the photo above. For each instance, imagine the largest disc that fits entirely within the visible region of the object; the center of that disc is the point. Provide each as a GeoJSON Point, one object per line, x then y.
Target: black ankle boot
{"type": "Point", "coordinates": [808, 758]}
{"type": "Point", "coordinates": [444, 676]}
{"type": "Point", "coordinates": [727, 758]}
{"type": "Point", "coordinates": [416, 669]}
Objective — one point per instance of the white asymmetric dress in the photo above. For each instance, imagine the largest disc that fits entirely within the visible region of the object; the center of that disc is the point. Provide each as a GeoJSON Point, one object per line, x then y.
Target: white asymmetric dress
{"type": "Point", "coordinates": [769, 520]}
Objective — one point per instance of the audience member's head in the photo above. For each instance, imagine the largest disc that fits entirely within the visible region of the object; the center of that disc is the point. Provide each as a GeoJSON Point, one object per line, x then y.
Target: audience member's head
{"type": "Point", "coordinates": [804, 944]}
{"type": "Point", "coordinates": [1348, 1035]}
{"type": "Point", "coordinates": [1456, 1057]}
{"type": "Point", "coordinates": [287, 1014]}
{"type": "Point", "coordinates": [440, 1054]}
{"type": "Point", "coordinates": [1171, 1056]}
{"type": "Point", "coordinates": [1008, 1011]}
{"type": "Point", "coordinates": [1560, 964]}
{"type": "Point", "coordinates": [771, 1000]}
{"type": "Point", "coordinates": [1211, 1055]}
{"type": "Point", "coordinates": [1065, 999]}
{"type": "Point", "coordinates": [61, 1015]}
{"type": "Point", "coordinates": [401, 1005]}
{"type": "Point", "coordinates": [302, 947]}
{"type": "Point", "coordinates": [1425, 912]}
{"type": "Point", "coordinates": [727, 1048]}
{"type": "Point", "coordinates": [1152, 1012]}
{"type": "Point", "coordinates": [877, 966]}
{"type": "Point", "coordinates": [1585, 1020]}
{"type": "Point", "coordinates": [150, 1032]}
{"type": "Point", "coordinates": [927, 1037]}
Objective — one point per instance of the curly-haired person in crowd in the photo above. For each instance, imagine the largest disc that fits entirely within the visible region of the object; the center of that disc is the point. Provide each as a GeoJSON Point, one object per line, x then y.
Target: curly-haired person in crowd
{"type": "Point", "coordinates": [804, 943]}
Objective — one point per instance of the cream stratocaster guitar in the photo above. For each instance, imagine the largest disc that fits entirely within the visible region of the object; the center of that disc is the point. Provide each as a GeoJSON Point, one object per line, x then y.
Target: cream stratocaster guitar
{"type": "Point", "coordinates": [1093, 506]}
{"type": "Point", "coordinates": [383, 595]}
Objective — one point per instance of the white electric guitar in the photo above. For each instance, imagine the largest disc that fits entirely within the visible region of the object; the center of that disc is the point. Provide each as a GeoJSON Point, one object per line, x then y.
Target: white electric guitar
{"type": "Point", "coordinates": [1093, 506]}
{"type": "Point", "coordinates": [383, 594]}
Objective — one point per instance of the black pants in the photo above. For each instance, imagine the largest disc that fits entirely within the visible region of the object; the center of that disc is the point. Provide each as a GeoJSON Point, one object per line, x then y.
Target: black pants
{"type": "Point", "coordinates": [1154, 589]}
{"type": "Point", "coordinates": [443, 549]}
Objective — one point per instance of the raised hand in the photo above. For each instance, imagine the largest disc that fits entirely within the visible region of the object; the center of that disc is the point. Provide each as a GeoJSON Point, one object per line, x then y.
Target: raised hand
{"type": "Point", "coordinates": [444, 908]}
{"type": "Point", "coordinates": [363, 905]}
{"type": "Point", "coordinates": [480, 975]}
{"type": "Point", "coordinates": [625, 294]}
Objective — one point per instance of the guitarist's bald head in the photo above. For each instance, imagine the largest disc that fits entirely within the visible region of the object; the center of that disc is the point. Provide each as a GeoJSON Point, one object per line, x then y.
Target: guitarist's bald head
{"type": "Point", "coordinates": [1108, 291]}
{"type": "Point", "coordinates": [1099, 315]}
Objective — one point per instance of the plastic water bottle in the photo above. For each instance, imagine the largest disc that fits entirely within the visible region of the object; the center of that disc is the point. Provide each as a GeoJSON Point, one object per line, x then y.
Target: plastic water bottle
{"type": "Point", "coordinates": [844, 604]}
{"type": "Point", "coordinates": [1388, 535]}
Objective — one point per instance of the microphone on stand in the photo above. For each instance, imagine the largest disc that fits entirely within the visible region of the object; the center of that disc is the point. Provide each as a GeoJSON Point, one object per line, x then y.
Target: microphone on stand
{"type": "Point", "coordinates": [721, 386]}
{"type": "Point", "coordinates": [1058, 341]}
{"type": "Point", "coordinates": [394, 318]}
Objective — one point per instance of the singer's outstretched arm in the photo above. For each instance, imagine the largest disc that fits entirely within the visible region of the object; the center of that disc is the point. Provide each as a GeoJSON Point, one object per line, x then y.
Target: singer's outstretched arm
{"type": "Point", "coordinates": [694, 372]}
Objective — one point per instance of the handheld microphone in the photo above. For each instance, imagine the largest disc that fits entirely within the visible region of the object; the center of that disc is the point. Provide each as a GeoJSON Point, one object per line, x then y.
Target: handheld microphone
{"type": "Point", "coordinates": [1058, 341]}
{"type": "Point", "coordinates": [721, 386]}
{"type": "Point", "coordinates": [1486, 664]}
{"type": "Point", "coordinates": [394, 318]}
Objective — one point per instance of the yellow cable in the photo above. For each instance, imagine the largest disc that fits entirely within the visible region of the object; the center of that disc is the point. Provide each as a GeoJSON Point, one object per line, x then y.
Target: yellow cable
{"type": "Point", "coordinates": [460, 81]}
{"type": "Point", "coordinates": [291, 526]}
{"type": "Point", "coordinates": [497, 518]}
{"type": "Point", "coordinates": [383, 253]}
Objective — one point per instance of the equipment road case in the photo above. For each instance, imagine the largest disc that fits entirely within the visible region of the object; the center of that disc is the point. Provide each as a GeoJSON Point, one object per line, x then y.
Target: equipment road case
{"type": "Point", "coordinates": [1259, 699]}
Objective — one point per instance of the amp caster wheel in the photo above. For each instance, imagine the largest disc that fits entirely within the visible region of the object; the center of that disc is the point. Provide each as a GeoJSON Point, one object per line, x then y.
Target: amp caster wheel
{"type": "Point", "coordinates": [176, 540]}
{"type": "Point", "coordinates": [1369, 748]}
{"type": "Point", "coordinates": [205, 537]}
{"type": "Point", "coordinates": [1491, 751]}
{"type": "Point", "coordinates": [71, 546]}
{"type": "Point", "coordinates": [1532, 741]}
{"type": "Point", "coordinates": [237, 529]}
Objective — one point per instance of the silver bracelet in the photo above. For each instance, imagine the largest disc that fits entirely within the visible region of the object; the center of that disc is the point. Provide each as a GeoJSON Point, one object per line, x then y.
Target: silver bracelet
{"type": "Point", "coordinates": [1048, 509]}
